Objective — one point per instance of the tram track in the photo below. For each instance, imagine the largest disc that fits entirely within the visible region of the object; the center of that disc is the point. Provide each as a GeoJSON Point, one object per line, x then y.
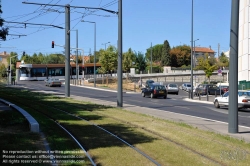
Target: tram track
{"type": "Point", "coordinates": [72, 135]}
{"type": "Point", "coordinates": [136, 126]}
{"type": "Point", "coordinates": [43, 104]}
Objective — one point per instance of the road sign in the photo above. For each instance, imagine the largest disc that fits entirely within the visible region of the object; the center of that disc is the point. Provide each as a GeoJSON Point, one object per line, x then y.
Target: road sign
{"type": "Point", "coordinates": [219, 72]}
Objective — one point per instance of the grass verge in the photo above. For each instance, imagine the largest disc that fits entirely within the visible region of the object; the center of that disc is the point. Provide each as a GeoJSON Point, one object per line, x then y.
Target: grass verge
{"type": "Point", "coordinates": [167, 142]}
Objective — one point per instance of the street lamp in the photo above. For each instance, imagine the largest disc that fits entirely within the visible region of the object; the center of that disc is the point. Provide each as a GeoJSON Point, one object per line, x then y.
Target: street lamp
{"type": "Point", "coordinates": [77, 68]}
{"type": "Point", "coordinates": [194, 52]}
{"type": "Point", "coordinates": [105, 44]}
{"type": "Point", "coordinates": [94, 50]}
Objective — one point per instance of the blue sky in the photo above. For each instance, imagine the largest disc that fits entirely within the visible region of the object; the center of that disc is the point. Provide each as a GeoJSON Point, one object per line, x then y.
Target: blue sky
{"type": "Point", "coordinates": [144, 21]}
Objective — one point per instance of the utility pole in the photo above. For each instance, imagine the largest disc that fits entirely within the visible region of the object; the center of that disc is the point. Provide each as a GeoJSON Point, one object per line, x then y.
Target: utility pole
{"type": "Point", "coordinates": [119, 71]}
{"type": "Point", "coordinates": [67, 50]}
{"type": "Point", "coordinates": [233, 69]}
{"type": "Point", "coordinates": [192, 81]}
{"type": "Point", "coordinates": [67, 37]}
{"type": "Point", "coordinates": [218, 50]}
{"type": "Point", "coordinates": [77, 67]}
{"type": "Point", "coordinates": [151, 59]}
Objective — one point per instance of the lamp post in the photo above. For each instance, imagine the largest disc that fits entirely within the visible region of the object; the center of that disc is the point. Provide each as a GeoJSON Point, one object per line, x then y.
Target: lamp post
{"type": "Point", "coordinates": [194, 53]}
{"type": "Point", "coordinates": [77, 71]}
{"type": "Point", "coordinates": [105, 44]}
{"type": "Point", "coordinates": [94, 50]}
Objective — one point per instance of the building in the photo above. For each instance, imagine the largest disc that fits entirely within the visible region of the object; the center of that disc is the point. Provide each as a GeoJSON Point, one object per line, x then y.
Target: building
{"type": "Point", "coordinates": [244, 41]}
{"type": "Point", "coordinates": [3, 58]}
{"type": "Point", "coordinates": [201, 51]}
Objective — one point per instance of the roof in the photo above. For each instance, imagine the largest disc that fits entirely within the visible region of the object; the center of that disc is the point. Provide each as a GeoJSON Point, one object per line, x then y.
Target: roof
{"type": "Point", "coordinates": [4, 54]}
{"type": "Point", "coordinates": [203, 49]}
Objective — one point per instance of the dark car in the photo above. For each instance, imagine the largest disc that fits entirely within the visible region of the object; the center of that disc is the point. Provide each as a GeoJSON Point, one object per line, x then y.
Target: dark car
{"type": "Point", "coordinates": [149, 82]}
{"type": "Point", "coordinates": [154, 90]}
{"type": "Point", "coordinates": [210, 89]}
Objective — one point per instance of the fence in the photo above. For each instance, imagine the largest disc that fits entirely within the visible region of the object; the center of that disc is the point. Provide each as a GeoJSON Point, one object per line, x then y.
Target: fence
{"type": "Point", "coordinates": [243, 85]}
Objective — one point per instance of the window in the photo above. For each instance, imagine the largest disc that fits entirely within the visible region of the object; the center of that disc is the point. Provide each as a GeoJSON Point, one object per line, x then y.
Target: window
{"type": "Point", "coordinates": [226, 94]}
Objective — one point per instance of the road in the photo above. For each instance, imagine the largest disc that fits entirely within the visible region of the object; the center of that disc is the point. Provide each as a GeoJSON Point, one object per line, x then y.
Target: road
{"type": "Point", "coordinates": [173, 103]}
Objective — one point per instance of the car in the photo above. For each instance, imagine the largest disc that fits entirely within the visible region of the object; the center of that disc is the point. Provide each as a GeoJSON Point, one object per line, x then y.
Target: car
{"type": "Point", "coordinates": [224, 88]}
{"type": "Point", "coordinates": [149, 82]}
{"type": "Point", "coordinates": [210, 89]}
{"type": "Point", "coordinates": [154, 90]}
{"type": "Point", "coordinates": [243, 100]}
{"type": "Point", "coordinates": [188, 87]}
{"type": "Point", "coordinates": [53, 82]}
{"type": "Point", "coordinates": [172, 88]}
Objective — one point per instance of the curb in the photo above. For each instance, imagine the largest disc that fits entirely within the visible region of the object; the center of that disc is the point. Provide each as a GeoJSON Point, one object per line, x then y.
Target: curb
{"type": "Point", "coordinates": [198, 101]}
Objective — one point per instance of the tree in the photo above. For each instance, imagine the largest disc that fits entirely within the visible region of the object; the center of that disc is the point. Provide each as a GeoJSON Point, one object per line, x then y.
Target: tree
{"type": "Point", "coordinates": [205, 64]}
{"type": "Point", "coordinates": [156, 53]}
{"type": "Point", "coordinates": [223, 60]}
{"type": "Point", "coordinates": [108, 60]}
{"type": "Point", "coordinates": [128, 59]}
{"type": "Point", "coordinates": [180, 56]}
{"type": "Point", "coordinates": [3, 71]}
{"type": "Point", "coordinates": [140, 61]}
{"type": "Point", "coordinates": [165, 58]}
{"type": "Point", "coordinates": [3, 31]}
{"type": "Point", "coordinates": [56, 59]}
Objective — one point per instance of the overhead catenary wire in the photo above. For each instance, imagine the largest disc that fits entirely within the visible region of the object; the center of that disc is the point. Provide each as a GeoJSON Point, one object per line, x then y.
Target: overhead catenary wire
{"type": "Point", "coordinates": [50, 9]}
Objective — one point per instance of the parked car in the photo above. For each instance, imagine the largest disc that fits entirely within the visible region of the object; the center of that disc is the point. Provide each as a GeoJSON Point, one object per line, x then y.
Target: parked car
{"type": "Point", "coordinates": [149, 82]}
{"type": "Point", "coordinates": [185, 86]}
{"type": "Point", "coordinates": [224, 88]}
{"type": "Point", "coordinates": [155, 90]}
{"type": "Point", "coordinates": [243, 100]}
{"type": "Point", "coordinates": [210, 89]}
{"type": "Point", "coordinates": [172, 88]}
{"type": "Point", "coordinates": [53, 82]}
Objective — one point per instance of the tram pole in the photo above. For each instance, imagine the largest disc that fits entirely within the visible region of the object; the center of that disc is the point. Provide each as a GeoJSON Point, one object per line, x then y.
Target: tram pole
{"type": "Point", "coordinates": [67, 50]}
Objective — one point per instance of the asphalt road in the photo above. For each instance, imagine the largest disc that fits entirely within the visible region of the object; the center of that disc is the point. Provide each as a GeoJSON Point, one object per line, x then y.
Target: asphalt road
{"type": "Point", "coordinates": [173, 103]}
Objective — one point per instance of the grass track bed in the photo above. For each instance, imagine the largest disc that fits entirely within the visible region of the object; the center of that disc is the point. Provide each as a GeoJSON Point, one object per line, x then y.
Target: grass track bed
{"type": "Point", "coordinates": [169, 143]}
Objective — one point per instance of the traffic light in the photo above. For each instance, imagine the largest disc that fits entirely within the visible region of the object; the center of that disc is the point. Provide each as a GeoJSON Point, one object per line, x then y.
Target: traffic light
{"type": "Point", "coordinates": [9, 68]}
{"type": "Point", "coordinates": [53, 44]}
{"type": "Point", "coordinates": [24, 53]}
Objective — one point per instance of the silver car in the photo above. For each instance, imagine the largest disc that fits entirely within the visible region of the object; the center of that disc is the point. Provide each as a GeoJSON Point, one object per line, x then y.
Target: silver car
{"type": "Point", "coordinates": [172, 88]}
{"type": "Point", "coordinates": [53, 82]}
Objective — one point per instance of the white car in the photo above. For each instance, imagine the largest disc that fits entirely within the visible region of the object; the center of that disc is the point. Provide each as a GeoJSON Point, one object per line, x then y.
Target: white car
{"type": "Point", "coordinates": [53, 82]}
{"type": "Point", "coordinates": [243, 99]}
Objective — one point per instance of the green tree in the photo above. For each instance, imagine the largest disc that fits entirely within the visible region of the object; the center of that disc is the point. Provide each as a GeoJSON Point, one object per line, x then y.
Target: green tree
{"type": "Point", "coordinates": [56, 59]}
{"type": "Point", "coordinates": [180, 56]}
{"type": "Point", "coordinates": [128, 59]}
{"type": "Point", "coordinates": [3, 71]}
{"type": "Point", "coordinates": [140, 61]}
{"type": "Point", "coordinates": [108, 60]}
{"type": "Point", "coordinates": [165, 58]}
{"type": "Point", "coordinates": [223, 60]}
{"type": "Point", "coordinates": [3, 31]}
{"type": "Point", "coordinates": [35, 59]}
{"type": "Point", "coordinates": [156, 53]}
{"type": "Point", "coordinates": [205, 64]}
